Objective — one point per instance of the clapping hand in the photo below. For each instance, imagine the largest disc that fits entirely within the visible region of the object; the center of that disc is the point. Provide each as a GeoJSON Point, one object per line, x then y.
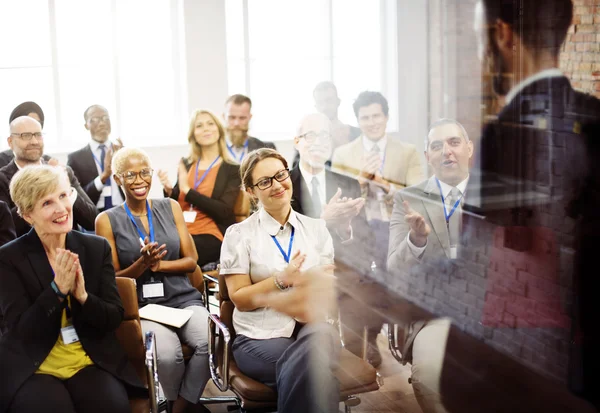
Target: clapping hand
{"type": "Point", "coordinates": [66, 265]}
{"type": "Point", "coordinates": [419, 228]}
{"type": "Point", "coordinates": [182, 175]}
{"type": "Point", "coordinates": [152, 254]}
{"type": "Point", "coordinates": [339, 212]}
{"type": "Point", "coordinates": [165, 182]}
{"type": "Point", "coordinates": [78, 290]}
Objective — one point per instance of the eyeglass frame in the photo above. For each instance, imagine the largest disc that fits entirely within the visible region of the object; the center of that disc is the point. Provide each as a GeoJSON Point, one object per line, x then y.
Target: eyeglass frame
{"type": "Point", "coordinates": [317, 136]}
{"type": "Point", "coordinates": [130, 181]}
{"type": "Point", "coordinates": [97, 119]}
{"type": "Point", "coordinates": [271, 179]}
{"type": "Point", "coordinates": [38, 135]}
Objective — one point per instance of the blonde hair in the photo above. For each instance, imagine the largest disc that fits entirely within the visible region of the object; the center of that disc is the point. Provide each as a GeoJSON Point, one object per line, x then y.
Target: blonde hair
{"type": "Point", "coordinates": [195, 148]}
{"type": "Point", "coordinates": [33, 183]}
{"type": "Point", "coordinates": [121, 157]}
{"type": "Point", "coordinates": [252, 159]}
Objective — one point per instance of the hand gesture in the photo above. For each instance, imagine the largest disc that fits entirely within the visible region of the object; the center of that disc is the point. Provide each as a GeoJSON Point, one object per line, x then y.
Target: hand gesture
{"type": "Point", "coordinates": [165, 182]}
{"type": "Point", "coordinates": [152, 254]}
{"type": "Point", "coordinates": [107, 172]}
{"type": "Point", "coordinates": [53, 162]}
{"type": "Point", "coordinates": [78, 290]}
{"type": "Point", "coordinates": [339, 211]}
{"type": "Point", "coordinates": [182, 180]}
{"type": "Point", "coordinates": [419, 228]}
{"type": "Point", "coordinates": [372, 164]}
{"type": "Point", "coordinates": [117, 145]}
{"type": "Point", "coordinates": [292, 271]}
{"type": "Point", "coordinates": [65, 267]}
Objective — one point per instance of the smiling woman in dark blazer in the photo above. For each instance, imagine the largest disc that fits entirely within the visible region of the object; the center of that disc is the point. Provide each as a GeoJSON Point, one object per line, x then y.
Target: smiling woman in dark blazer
{"type": "Point", "coordinates": [207, 187]}
{"type": "Point", "coordinates": [59, 300]}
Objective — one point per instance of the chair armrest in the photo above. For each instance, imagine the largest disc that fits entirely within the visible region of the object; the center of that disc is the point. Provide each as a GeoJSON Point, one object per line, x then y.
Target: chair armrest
{"type": "Point", "coordinates": [152, 370]}
{"type": "Point", "coordinates": [207, 279]}
{"type": "Point", "coordinates": [221, 381]}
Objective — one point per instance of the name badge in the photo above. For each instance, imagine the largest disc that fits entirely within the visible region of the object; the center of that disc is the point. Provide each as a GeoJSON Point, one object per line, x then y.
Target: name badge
{"type": "Point", "coordinates": [189, 216]}
{"type": "Point", "coordinates": [69, 335]}
{"type": "Point", "coordinates": [107, 191]}
{"type": "Point", "coordinates": [453, 253]}
{"type": "Point", "coordinates": [153, 290]}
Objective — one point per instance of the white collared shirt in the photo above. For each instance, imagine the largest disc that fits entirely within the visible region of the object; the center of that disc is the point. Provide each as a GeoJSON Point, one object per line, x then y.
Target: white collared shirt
{"type": "Point", "coordinates": [548, 73]}
{"type": "Point", "coordinates": [117, 199]}
{"type": "Point", "coordinates": [308, 177]}
{"type": "Point", "coordinates": [446, 189]}
{"type": "Point", "coordinates": [249, 249]}
{"type": "Point", "coordinates": [368, 145]}
{"type": "Point", "coordinates": [238, 151]}
{"type": "Point", "coordinates": [19, 168]}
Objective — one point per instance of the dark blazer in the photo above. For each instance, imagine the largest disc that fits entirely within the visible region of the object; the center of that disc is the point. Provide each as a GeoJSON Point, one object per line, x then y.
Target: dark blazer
{"type": "Point", "coordinates": [84, 210]}
{"type": "Point", "coordinates": [32, 311]}
{"type": "Point", "coordinates": [8, 155]}
{"type": "Point", "coordinates": [219, 206]}
{"type": "Point", "coordinates": [255, 143]}
{"type": "Point", "coordinates": [356, 254]}
{"type": "Point", "coordinates": [7, 228]}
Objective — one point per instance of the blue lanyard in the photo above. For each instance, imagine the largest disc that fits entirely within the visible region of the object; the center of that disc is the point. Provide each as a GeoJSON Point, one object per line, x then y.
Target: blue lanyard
{"type": "Point", "coordinates": [150, 226]}
{"type": "Point", "coordinates": [198, 182]}
{"type": "Point", "coordinates": [382, 164]}
{"type": "Point", "coordinates": [287, 256]}
{"type": "Point", "coordinates": [446, 214]}
{"type": "Point", "coordinates": [241, 155]}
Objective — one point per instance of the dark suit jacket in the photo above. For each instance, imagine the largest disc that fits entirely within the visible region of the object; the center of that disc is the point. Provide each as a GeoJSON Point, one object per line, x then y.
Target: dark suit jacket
{"type": "Point", "coordinates": [84, 167]}
{"type": "Point", "coordinates": [84, 210]}
{"type": "Point", "coordinates": [32, 311]}
{"type": "Point", "coordinates": [547, 140]}
{"type": "Point", "coordinates": [7, 228]}
{"type": "Point", "coordinates": [219, 206]}
{"type": "Point", "coordinates": [355, 254]}
{"type": "Point", "coordinates": [7, 156]}
{"type": "Point", "coordinates": [255, 143]}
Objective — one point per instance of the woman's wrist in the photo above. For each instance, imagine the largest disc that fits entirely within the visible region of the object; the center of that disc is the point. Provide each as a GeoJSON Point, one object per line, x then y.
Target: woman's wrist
{"type": "Point", "coordinates": [279, 281]}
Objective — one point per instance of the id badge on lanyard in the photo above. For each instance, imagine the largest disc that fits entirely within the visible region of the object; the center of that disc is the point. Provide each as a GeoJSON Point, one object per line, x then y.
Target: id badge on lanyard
{"type": "Point", "coordinates": [153, 289]}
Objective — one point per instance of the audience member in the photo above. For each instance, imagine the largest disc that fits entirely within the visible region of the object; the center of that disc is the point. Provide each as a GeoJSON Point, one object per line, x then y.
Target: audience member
{"type": "Point", "coordinates": [381, 164]}
{"type": "Point", "coordinates": [319, 192]}
{"type": "Point", "coordinates": [425, 226]}
{"type": "Point", "coordinates": [207, 187]}
{"type": "Point", "coordinates": [61, 307]}
{"type": "Point", "coordinates": [160, 273]}
{"type": "Point", "coordinates": [31, 109]}
{"type": "Point", "coordinates": [91, 164]}
{"type": "Point", "coordinates": [27, 142]}
{"type": "Point", "coordinates": [294, 358]}
{"type": "Point", "coordinates": [545, 140]}
{"type": "Point", "coordinates": [237, 117]}
{"type": "Point", "coordinates": [7, 227]}
{"type": "Point", "coordinates": [327, 102]}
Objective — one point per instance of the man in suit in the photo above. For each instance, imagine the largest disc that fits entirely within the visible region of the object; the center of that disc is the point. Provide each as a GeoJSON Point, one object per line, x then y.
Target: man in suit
{"type": "Point", "coordinates": [545, 140]}
{"type": "Point", "coordinates": [31, 109]}
{"type": "Point", "coordinates": [7, 228]}
{"type": "Point", "coordinates": [237, 116]}
{"type": "Point", "coordinates": [27, 142]}
{"type": "Point", "coordinates": [92, 163]}
{"type": "Point", "coordinates": [425, 227]}
{"type": "Point", "coordinates": [322, 193]}
{"type": "Point", "coordinates": [382, 165]}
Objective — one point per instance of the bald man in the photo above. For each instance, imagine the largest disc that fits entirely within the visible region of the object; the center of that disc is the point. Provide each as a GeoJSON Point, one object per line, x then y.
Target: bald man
{"type": "Point", "coordinates": [26, 140]}
{"type": "Point", "coordinates": [322, 193]}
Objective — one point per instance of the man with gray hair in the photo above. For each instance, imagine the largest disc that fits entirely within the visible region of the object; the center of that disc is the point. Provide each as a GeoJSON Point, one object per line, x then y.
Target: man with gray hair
{"type": "Point", "coordinates": [26, 140]}
{"type": "Point", "coordinates": [425, 229]}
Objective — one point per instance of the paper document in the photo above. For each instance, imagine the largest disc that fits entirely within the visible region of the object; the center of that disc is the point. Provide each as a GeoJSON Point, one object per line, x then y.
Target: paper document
{"type": "Point", "coordinates": [165, 315]}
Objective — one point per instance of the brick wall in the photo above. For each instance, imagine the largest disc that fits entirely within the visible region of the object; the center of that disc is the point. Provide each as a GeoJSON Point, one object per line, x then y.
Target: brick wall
{"type": "Point", "coordinates": [580, 58]}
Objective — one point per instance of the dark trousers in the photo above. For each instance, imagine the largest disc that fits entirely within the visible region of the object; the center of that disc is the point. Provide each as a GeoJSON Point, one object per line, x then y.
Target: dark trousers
{"type": "Point", "coordinates": [299, 368]}
{"type": "Point", "coordinates": [208, 247]}
{"type": "Point", "coordinates": [91, 390]}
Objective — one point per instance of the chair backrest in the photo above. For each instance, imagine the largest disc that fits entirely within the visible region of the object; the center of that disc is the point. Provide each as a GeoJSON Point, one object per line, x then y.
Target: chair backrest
{"type": "Point", "coordinates": [129, 332]}
{"type": "Point", "coordinates": [241, 209]}
{"type": "Point", "coordinates": [226, 306]}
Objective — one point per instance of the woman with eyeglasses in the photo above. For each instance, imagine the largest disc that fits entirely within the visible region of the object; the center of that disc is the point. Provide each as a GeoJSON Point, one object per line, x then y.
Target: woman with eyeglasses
{"type": "Point", "coordinates": [207, 187]}
{"type": "Point", "coordinates": [278, 268]}
{"type": "Point", "coordinates": [151, 244]}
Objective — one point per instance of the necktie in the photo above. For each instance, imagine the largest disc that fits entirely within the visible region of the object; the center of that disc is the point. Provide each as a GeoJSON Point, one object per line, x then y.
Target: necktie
{"type": "Point", "coordinates": [316, 199]}
{"type": "Point", "coordinates": [107, 199]}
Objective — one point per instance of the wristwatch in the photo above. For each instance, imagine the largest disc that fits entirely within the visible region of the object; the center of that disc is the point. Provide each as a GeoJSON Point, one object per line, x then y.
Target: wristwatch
{"type": "Point", "coordinates": [57, 291]}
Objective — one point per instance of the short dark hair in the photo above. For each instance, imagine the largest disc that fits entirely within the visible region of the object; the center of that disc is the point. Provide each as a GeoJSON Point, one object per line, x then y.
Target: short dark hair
{"type": "Point", "coordinates": [238, 99]}
{"type": "Point", "coordinates": [326, 85]}
{"type": "Point", "coordinates": [368, 98]}
{"type": "Point", "coordinates": [90, 108]}
{"type": "Point", "coordinates": [541, 25]}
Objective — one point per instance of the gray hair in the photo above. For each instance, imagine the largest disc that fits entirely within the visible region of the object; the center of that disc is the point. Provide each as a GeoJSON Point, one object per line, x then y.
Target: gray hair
{"type": "Point", "coordinates": [446, 121]}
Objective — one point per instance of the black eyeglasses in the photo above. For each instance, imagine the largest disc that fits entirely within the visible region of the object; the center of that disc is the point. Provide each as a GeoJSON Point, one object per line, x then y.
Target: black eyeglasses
{"type": "Point", "coordinates": [104, 118]}
{"type": "Point", "coordinates": [130, 176]}
{"type": "Point", "coordinates": [266, 183]}
{"type": "Point", "coordinates": [27, 136]}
